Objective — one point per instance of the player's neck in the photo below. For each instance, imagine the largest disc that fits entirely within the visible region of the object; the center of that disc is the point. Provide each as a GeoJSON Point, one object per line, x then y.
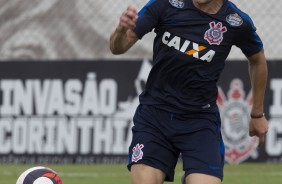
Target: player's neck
{"type": "Point", "coordinates": [208, 6]}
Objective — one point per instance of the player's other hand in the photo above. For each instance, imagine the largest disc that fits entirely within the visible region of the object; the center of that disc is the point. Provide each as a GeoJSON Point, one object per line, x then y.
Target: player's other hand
{"type": "Point", "coordinates": [259, 128]}
{"type": "Point", "coordinates": [128, 19]}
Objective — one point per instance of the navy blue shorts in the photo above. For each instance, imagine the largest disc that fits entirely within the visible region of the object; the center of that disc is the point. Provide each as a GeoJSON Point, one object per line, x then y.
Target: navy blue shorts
{"type": "Point", "coordinates": [160, 137]}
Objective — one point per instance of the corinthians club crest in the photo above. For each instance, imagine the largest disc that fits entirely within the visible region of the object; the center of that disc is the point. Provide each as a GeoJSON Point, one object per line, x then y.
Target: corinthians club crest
{"type": "Point", "coordinates": [214, 35]}
{"type": "Point", "coordinates": [235, 113]}
{"type": "Point", "coordinates": [137, 152]}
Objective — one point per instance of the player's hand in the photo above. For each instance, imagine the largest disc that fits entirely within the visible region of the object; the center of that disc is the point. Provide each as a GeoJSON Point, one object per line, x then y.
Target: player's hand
{"type": "Point", "coordinates": [128, 19]}
{"type": "Point", "coordinates": [258, 127]}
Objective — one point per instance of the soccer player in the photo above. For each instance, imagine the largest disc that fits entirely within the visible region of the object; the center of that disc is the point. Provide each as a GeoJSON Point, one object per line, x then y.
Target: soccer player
{"type": "Point", "coordinates": [178, 112]}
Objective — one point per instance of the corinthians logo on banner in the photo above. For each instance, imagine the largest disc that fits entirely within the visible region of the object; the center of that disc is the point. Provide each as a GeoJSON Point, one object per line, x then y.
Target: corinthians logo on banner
{"type": "Point", "coordinates": [235, 113]}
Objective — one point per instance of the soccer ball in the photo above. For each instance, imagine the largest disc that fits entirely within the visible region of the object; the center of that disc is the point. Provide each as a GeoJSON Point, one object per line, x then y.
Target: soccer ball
{"type": "Point", "coordinates": [39, 175]}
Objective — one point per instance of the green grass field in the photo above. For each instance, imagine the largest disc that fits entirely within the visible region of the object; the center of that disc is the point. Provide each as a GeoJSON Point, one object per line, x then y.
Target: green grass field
{"type": "Point", "coordinates": [118, 174]}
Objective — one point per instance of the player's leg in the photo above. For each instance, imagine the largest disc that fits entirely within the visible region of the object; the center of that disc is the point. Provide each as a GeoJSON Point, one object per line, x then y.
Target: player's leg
{"type": "Point", "coordinates": [202, 150]}
{"type": "Point", "coordinates": [152, 157]}
{"type": "Point", "coordinates": [204, 165]}
{"type": "Point", "coordinates": [197, 178]}
{"type": "Point", "coordinates": [144, 174]}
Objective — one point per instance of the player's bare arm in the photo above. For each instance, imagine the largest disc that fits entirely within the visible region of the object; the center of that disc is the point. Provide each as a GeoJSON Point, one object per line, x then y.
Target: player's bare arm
{"type": "Point", "coordinates": [258, 76]}
{"type": "Point", "coordinates": [124, 37]}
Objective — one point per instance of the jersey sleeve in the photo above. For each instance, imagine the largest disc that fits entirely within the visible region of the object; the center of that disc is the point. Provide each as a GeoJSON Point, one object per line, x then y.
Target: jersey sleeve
{"type": "Point", "coordinates": [149, 17]}
{"type": "Point", "coordinates": [248, 40]}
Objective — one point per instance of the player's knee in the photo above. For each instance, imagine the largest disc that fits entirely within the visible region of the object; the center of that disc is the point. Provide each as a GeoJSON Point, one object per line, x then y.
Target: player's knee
{"type": "Point", "coordinates": [197, 178]}
{"type": "Point", "coordinates": [144, 174]}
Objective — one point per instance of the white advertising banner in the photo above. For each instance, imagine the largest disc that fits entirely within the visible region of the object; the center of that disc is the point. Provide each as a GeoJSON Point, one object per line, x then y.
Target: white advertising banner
{"type": "Point", "coordinates": [81, 111]}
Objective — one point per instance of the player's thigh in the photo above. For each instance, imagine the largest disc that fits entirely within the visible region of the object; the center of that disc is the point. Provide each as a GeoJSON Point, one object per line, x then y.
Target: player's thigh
{"type": "Point", "coordinates": [197, 178]}
{"type": "Point", "coordinates": [150, 144]}
{"type": "Point", "coordinates": [144, 174]}
{"type": "Point", "coordinates": [202, 151]}
{"type": "Point", "coordinates": [204, 155]}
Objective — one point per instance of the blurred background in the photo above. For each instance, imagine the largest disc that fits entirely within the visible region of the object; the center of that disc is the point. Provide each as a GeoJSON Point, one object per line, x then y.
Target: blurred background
{"type": "Point", "coordinates": [66, 102]}
{"type": "Point", "coordinates": [80, 29]}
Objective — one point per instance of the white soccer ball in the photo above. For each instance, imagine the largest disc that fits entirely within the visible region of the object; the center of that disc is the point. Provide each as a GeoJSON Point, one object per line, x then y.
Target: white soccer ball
{"type": "Point", "coordinates": [39, 175]}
